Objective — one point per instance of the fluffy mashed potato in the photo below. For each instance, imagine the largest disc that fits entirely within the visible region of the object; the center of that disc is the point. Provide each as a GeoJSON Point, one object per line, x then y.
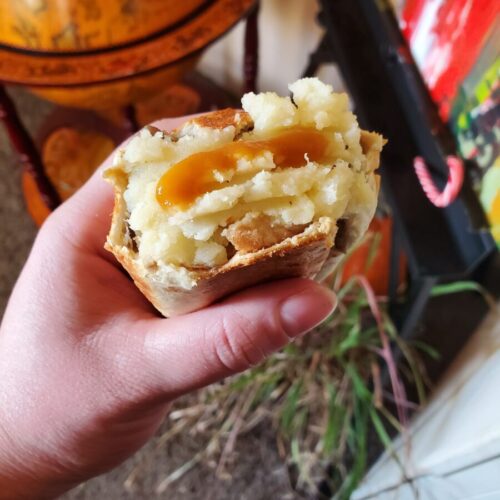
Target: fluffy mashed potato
{"type": "Point", "coordinates": [256, 203]}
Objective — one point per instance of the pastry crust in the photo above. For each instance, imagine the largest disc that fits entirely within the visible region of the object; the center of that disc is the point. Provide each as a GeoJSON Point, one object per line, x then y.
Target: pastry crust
{"type": "Point", "coordinates": [311, 253]}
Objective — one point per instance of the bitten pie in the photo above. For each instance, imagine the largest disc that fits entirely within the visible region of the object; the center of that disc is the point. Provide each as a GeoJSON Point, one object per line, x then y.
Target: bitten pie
{"type": "Point", "coordinates": [282, 188]}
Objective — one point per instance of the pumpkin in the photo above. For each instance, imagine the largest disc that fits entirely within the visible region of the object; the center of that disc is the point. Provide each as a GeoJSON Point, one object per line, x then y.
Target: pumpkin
{"type": "Point", "coordinates": [372, 257]}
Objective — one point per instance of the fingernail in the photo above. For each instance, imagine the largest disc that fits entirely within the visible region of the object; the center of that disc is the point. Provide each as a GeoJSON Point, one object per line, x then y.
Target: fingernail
{"type": "Point", "coordinates": [305, 310]}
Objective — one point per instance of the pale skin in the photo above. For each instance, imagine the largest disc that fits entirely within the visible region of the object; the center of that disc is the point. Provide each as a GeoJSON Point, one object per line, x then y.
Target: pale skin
{"type": "Point", "coordinates": [89, 368]}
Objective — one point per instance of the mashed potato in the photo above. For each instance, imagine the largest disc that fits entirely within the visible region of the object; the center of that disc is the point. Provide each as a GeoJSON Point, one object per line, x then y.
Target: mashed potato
{"type": "Point", "coordinates": [257, 203]}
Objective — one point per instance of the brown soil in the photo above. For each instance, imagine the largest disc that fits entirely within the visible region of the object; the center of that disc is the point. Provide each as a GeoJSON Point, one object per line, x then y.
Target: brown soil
{"type": "Point", "coordinates": [257, 473]}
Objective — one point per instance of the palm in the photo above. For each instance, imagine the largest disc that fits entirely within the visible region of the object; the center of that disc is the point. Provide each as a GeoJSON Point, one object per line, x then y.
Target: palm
{"type": "Point", "coordinates": [93, 322]}
{"type": "Point", "coordinates": [105, 292]}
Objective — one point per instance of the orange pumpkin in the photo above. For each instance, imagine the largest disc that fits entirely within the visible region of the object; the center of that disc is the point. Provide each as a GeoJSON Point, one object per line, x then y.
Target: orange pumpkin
{"type": "Point", "coordinates": [372, 257]}
{"type": "Point", "coordinates": [70, 157]}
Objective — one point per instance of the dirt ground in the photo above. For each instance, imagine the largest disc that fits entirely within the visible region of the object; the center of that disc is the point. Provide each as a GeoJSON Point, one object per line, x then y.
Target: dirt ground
{"type": "Point", "coordinates": [257, 473]}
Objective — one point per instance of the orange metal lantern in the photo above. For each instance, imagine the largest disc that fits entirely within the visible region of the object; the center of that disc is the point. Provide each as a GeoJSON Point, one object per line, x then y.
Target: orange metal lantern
{"type": "Point", "coordinates": [96, 54]}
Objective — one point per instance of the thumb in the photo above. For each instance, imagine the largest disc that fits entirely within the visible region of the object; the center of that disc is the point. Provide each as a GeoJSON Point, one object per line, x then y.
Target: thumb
{"type": "Point", "coordinates": [194, 350]}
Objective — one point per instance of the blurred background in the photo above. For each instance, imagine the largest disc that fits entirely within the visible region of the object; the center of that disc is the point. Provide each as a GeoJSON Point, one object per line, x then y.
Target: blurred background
{"type": "Point", "coordinates": [79, 76]}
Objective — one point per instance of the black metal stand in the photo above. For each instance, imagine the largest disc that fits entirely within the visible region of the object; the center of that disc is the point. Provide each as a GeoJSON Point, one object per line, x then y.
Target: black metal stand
{"type": "Point", "coordinates": [363, 38]}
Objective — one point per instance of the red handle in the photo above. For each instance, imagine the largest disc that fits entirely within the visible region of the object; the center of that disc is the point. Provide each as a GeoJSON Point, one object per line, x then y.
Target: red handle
{"type": "Point", "coordinates": [453, 184]}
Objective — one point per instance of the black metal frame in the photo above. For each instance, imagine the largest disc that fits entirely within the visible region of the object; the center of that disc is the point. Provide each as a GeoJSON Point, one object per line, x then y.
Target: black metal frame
{"type": "Point", "coordinates": [363, 38]}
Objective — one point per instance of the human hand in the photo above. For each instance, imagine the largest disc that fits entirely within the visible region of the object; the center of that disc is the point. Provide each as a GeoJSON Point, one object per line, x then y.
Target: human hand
{"type": "Point", "coordinates": [88, 368]}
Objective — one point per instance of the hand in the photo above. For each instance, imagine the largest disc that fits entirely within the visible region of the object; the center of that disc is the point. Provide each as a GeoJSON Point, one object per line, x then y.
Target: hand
{"type": "Point", "coordinates": [88, 368]}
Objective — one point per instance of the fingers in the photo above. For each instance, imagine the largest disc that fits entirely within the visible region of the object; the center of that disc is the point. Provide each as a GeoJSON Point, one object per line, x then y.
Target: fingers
{"type": "Point", "coordinates": [187, 352]}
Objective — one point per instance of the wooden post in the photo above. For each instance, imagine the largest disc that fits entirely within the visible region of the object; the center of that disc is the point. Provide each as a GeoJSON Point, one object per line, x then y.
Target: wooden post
{"type": "Point", "coordinates": [130, 116]}
{"type": "Point", "coordinates": [23, 143]}
{"type": "Point", "coordinates": [251, 58]}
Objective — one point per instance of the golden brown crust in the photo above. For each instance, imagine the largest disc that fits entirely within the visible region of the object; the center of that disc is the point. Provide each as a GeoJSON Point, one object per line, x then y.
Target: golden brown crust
{"type": "Point", "coordinates": [372, 144]}
{"type": "Point", "coordinates": [301, 260]}
{"type": "Point", "coordinates": [224, 118]}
